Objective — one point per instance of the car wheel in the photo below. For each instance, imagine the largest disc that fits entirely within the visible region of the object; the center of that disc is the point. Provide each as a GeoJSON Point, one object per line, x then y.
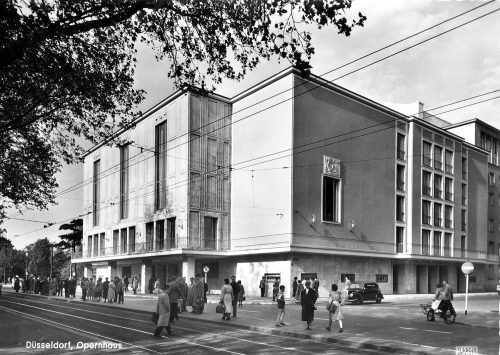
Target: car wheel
{"type": "Point", "coordinates": [430, 315]}
{"type": "Point", "coordinates": [378, 299]}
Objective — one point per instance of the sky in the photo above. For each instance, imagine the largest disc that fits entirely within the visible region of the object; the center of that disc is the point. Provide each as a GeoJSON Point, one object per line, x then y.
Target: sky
{"type": "Point", "coordinates": [460, 64]}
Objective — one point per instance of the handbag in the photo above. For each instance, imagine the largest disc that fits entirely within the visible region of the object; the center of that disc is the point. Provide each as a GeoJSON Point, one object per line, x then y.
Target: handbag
{"type": "Point", "coordinates": [220, 308]}
{"type": "Point", "coordinates": [332, 307]}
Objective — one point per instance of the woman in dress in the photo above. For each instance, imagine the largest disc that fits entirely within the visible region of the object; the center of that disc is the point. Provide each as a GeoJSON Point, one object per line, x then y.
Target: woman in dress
{"type": "Point", "coordinates": [241, 294]}
{"type": "Point", "coordinates": [335, 302]}
{"type": "Point", "coordinates": [226, 298]}
{"type": "Point", "coordinates": [111, 291]}
{"type": "Point", "coordinates": [300, 287]}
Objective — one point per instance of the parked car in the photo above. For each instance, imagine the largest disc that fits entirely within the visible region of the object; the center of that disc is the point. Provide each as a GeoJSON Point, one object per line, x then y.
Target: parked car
{"type": "Point", "coordinates": [361, 291]}
{"type": "Point", "coordinates": [498, 289]}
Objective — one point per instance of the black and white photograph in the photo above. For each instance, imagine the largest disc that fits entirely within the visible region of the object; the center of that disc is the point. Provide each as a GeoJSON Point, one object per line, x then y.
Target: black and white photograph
{"type": "Point", "coordinates": [249, 177]}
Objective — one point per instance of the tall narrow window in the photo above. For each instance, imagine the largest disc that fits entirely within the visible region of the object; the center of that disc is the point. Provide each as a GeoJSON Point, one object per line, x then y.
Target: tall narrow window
{"type": "Point", "coordinates": [438, 186]}
{"type": "Point", "coordinates": [438, 158]}
{"type": "Point", "coordinates": [426, 183]}
{"type": "Point", "coordinates": [400, 177]}
{"type": "Point", "coordinates": [426, 212]}
{"type": "Point", "coordinates": [96, 245]}
{"type": "Point", "coordinates": [160, 235]}
{"type": "Point", "coordinates": [448, 216]}
{"type": "Point", "coordinates": [96, 193]}
{"type": "Point", "coordinates": [427, 154]}
{"type": "Point", "coordinates": [131, 240]}
{"type": "Point", "coordinates": [149, 236]}
{"type": "Point", "coordinates": [400, 208]}
{"type": "Point", "coordinates": [116, 234]}
{"type": "Point", "coordinates": [464, 221]}
{"type": "Point", "coordinates": [448, 189]}
{"type": "Point", "coordinates": [399, 239]}
{"type": "Point", "coordinates": [492, 179]}
{"type": "Point", "coordinates": [426, 238]}
{"type": "Point", "coordinates": [124, 187]}
{"type": "Point", "coordinates": [400, 146]}
{"type": "Point", "coordinates": [464, 168]}
{"type": "Point", "coordinates": [437, 214]}
{"type": "Point", "coordinates": [464, 194]}
{"type": "Point", "coordinates": [171, 242]}
{"type": "Point", "coordinates": [331, 199]}
{"type": "Point", "coordinates": [437, 243]}
{"type": "Point", "coordinates": [448, 161]}
{"type": "Point", "coordinates": [123, 240]}
{"type": "Point", "coordinates": [210, 232]}
{"type": "Point", "coordinates": [161, 166]}
{"type": "Point", "coordinates": [102, 243]}
{"type": "Point", "coordinates": [89, 246]}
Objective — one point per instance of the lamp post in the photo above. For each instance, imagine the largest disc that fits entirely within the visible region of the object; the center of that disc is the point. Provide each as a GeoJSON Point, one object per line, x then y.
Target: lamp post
{"type": "Point", "coordinates": [467, 269]}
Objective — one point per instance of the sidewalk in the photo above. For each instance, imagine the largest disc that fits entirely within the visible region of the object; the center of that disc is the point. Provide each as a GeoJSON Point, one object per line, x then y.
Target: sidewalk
{"type": "Point", "coordinates": [253, 321]}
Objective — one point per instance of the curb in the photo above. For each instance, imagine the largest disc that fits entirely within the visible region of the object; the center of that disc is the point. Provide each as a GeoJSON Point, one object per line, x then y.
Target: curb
{"type": "Point", "coordinates": [365, 343]}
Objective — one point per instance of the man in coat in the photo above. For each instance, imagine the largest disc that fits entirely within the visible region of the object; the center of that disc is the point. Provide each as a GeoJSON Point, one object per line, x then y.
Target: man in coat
{"type": "Point", "coordinates": [163, 311]}
{"type": "Point", "coordinates": [262, 286]}
{"type": "Point", "coordinates": [198, 296]}
{"type": "Point", "coordinates": [174, 295]}
{"type": "Point", "coordinates": [236, 291]}
{"type": "Point", "coordinates": [105, 286]}
{"type": "Point", "coordinates": [307, 300]}
{"type": "Point", "coordinates": [184, 292]}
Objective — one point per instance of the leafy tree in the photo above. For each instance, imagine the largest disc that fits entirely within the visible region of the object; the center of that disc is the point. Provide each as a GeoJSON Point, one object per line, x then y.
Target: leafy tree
{"type": "Point", "coordinates": [70, 241]}
{"type": "Point", "coordinates": [66, 68]}
{"type": "Point", "coordinates": [39, 256]}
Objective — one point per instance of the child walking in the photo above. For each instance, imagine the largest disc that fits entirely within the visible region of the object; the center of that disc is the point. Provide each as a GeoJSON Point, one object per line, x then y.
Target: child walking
{"type": "Point", "coordinates": [280, 297]}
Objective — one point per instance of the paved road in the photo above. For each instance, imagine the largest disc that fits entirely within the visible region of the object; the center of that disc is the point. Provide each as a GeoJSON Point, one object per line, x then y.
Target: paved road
{"type": "Point", "coordinates": [28, 319]}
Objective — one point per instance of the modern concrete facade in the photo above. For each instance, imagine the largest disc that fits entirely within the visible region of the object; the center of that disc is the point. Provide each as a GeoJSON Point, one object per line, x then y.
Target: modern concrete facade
{"type": "Point", "coordinates": [292, 178]}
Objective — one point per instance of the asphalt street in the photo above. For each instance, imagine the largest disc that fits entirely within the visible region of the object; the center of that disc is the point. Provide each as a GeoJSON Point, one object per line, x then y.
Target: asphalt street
{"type": "Point", "coordinates": [28, 321]}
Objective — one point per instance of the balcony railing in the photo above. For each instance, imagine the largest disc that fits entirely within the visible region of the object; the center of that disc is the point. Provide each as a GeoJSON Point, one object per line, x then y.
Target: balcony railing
{"type": "Point", "coordinates": [419, 249]}
{"type": "Point", "coordinates": [426, 219]}
{"type": "Point", "coordinates": [437, 221]}
{"type": "Point", "coordinates": [148, 247]}
{"type": "Point", "coordinates": [448, 196]}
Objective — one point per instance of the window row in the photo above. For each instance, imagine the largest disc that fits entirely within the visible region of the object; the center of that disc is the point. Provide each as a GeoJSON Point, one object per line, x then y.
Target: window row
{"type": "Point", "coordinates": [433, 186]}
{"type": "Point", "coordinates": [160, 235]}
{"type": "Point", "coordinates": [439, 245]}
{"type": "Point", "coordinates": [490, 144]}
{"type": "Point", "coordinates": [437, 157]}
{"type": "Point", "coordinates": [434, 214]}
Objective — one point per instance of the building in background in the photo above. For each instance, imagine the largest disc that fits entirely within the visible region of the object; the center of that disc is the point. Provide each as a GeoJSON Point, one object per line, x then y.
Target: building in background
{"type": "Point", "coordinates": [293, 177]}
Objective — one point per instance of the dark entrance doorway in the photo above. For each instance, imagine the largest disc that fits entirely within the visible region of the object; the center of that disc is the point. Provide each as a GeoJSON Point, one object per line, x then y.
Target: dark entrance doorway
{"type": "Point", "coordinates": [395, 279]}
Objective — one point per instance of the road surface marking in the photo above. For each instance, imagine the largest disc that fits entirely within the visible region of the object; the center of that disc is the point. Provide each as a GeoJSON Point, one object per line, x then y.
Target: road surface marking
{"type": "Point", "coordinates": [80, 330]}
{"type": "Point", "coordinates": [118, 326]}
{"type": "Point", "coordinates": [426, 330]}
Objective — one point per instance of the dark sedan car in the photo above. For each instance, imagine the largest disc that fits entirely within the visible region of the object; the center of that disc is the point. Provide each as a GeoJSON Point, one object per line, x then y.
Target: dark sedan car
{"type": "Point", "coordinates": [364, 291]}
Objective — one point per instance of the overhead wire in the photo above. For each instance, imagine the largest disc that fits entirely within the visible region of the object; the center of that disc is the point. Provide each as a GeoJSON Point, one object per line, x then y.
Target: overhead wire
{"type": "Point", "coordinates": [70, 189]}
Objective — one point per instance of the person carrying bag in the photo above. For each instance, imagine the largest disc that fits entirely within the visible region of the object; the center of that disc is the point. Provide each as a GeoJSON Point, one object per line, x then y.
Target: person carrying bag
{"type": "Point", "coordinates": [334, 307]}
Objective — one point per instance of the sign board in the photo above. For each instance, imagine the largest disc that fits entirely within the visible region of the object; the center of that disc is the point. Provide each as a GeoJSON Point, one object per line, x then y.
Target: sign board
{"type": "Point", "coordinates": [467, 268]}
{"type": "Point", "coordinates": [206, 269]}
